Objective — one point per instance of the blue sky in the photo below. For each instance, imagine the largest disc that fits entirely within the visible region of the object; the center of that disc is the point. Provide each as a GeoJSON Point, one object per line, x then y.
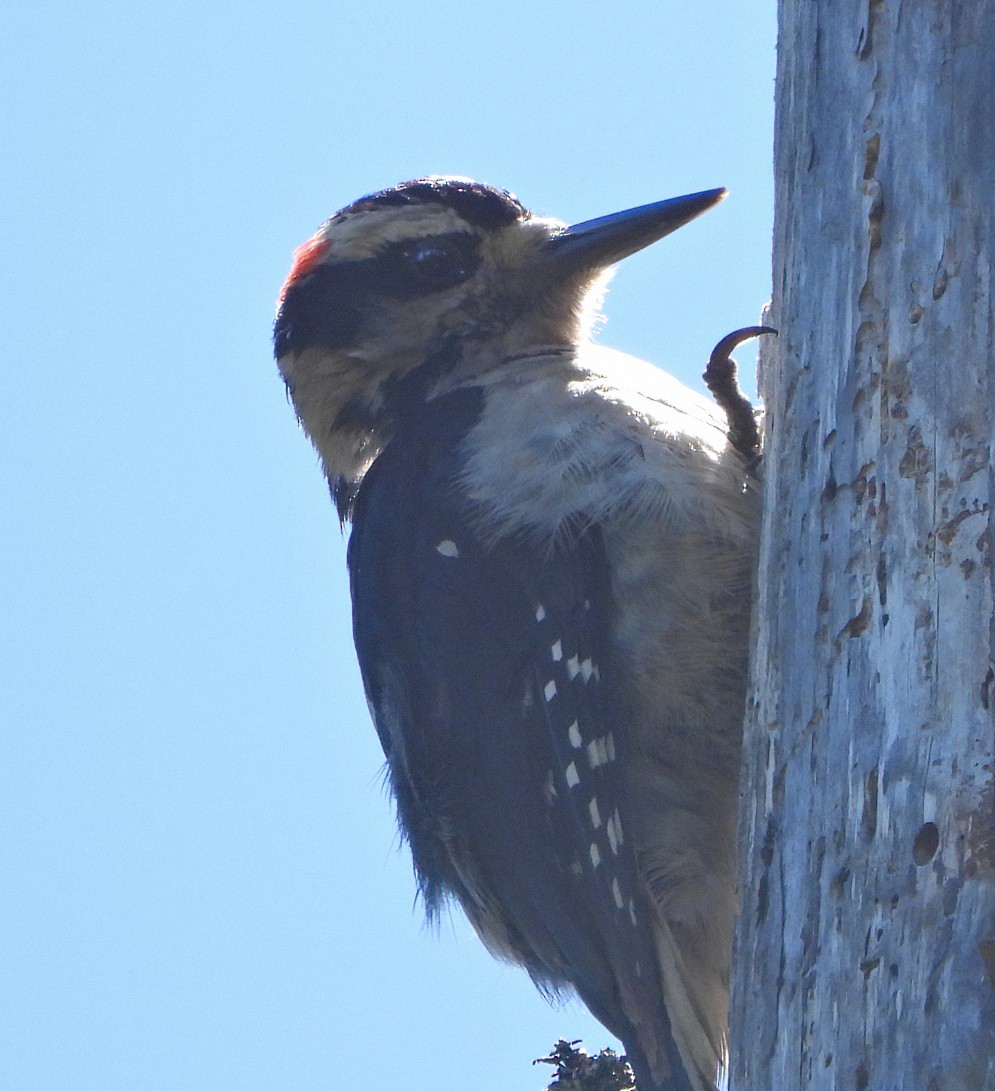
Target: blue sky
{"type": "Point", "coordinates": [200, 885]}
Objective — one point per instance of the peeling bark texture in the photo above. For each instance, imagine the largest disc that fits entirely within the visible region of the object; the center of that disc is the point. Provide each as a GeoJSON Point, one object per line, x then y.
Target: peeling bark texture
{"type": "Point", "coordinates": [866, 944]}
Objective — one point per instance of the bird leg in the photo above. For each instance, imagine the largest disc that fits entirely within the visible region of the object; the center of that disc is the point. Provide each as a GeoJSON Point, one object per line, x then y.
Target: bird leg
{"type": "Point", "coordinates": [721, 379]}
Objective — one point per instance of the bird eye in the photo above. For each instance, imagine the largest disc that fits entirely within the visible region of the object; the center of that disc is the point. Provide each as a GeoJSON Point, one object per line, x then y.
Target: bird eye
{"type": "Point", "coordinates": [431, 264]}
{"type": "Point", "coordinates": [435, 262]}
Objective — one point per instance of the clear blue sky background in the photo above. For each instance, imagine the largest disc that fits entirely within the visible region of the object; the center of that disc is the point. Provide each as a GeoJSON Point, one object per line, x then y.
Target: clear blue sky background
{"type": "Point", "coordinates": [199, 879]}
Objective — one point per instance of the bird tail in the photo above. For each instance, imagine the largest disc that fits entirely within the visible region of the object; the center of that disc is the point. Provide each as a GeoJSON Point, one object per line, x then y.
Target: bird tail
{"type": "Point", "coordinates": [702, 1045]}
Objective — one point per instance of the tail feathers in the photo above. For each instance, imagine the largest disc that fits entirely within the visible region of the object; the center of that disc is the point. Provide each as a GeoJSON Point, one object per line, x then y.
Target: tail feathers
{"type": "Point", "coordinates": [691, 1006]}
{"type": "Point", "coordinates": [676, 1041]}
{"type": "Point", "coordinates": [647, 1079]}
{"type": "Point", "coordinates": [652, 1050]}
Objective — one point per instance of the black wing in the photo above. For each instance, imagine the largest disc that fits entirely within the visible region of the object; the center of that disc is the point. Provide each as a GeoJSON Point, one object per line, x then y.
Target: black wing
{"type": "Point", "coordinates": [488, 675]}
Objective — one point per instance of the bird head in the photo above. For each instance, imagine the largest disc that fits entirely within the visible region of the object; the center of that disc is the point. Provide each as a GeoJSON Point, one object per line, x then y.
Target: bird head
{"type": "Point", "coordinates": [414, 290]}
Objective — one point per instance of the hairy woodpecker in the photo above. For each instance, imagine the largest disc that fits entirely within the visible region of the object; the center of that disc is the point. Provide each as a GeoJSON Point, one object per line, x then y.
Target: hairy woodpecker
{"type": "Point", "coordinates": [550, 562]}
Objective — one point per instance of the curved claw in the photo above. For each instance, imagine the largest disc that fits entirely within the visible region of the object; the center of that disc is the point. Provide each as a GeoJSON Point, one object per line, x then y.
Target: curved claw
{"type": "Point", "coordinates": [722, 380]}
{"type": "Point", "coordinates": [733, 340]}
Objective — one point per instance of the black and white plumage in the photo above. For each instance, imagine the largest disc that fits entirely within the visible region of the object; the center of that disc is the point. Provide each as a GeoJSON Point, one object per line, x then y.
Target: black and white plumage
{"type": "Point", "coordinates": [550, 560]}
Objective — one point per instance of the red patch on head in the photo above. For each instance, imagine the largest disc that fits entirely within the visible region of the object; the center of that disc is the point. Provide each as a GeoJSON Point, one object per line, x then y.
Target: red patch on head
{"type": "Point", "coordinates": [306, 257]}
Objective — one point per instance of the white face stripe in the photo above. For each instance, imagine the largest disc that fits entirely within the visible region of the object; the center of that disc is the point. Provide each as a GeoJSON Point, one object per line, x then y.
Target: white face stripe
{"type": "Point", "coordinates": [358, 235]}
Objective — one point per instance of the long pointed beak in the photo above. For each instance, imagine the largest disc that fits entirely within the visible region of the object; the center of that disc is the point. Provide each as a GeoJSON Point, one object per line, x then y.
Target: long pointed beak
{"type": "Point", "coordinates": [596, 244]}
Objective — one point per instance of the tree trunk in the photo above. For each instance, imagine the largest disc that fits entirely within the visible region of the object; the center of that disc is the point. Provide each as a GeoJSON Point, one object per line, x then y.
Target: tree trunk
{"type": "Point", "coordinates": [866, 944]}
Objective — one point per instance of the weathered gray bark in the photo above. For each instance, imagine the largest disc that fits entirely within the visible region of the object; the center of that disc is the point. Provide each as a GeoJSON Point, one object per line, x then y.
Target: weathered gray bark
{"type": "Point", "coordinates": [866, 945]}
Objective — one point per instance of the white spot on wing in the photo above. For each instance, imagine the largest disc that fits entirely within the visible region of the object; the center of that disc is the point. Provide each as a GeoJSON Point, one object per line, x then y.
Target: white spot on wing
{"type": "Point", "coordinates": [617, 894]}
{"type": "Point", "coordinates": [632, 911]}
{"type": "Point", "coordinates": [587, 669]}
{"type": "Point", "coordinates": [540, 612]}
{"type": "Point", "coordinates": [610, 746]}
{"type": "Point", "coordinates": [595, 855]}
{"type": "Point", "coordinates": [612, 835]}
{"type": "Point", "coordinates": [556, 651]}
{"type": "Point", "coordinates": [573, 667]}
{"type": "Point", "coordinates": [549, 691]}
{"type": "Point", "coordinates": [618, 828]}
{"type": "Point", "coordinates": [596, 753]}
{"type": "Point", "coordinates": [447, 548]}
{"type": "Point", "coordinates": [595, 813]}
{"type": "Point", "coordinates": [571, 774]}
{"type": "Point", "coordinates": [576, 739]}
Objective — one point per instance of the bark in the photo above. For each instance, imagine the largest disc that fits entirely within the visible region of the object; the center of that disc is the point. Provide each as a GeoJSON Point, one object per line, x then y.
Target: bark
{"type": "Point", "coordinates": [866, 943]}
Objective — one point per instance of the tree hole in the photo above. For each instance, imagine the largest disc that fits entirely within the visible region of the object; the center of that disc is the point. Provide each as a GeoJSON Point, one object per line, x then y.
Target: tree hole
{"type": "Point", "coordinates": [926, 843]}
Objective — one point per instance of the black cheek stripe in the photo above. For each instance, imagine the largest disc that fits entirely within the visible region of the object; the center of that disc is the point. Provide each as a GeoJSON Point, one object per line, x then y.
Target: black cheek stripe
{"type": "Point", "coordinates": [320, 309]}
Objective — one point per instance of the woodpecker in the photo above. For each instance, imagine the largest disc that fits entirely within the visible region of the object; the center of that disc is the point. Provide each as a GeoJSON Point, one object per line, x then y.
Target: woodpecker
{"type": "Point", "coordinates": [550, 558]}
